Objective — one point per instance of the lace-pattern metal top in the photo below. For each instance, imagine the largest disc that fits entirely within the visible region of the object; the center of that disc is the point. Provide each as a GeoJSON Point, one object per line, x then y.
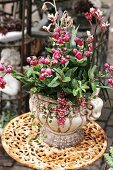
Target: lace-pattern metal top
{"type": "Point", "coordinates": [20, 139]}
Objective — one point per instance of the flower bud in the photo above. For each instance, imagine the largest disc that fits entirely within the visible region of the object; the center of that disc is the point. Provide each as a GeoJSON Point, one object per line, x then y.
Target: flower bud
{"type": "Point", "coordinates": [109, 81]}
{"type": "Point", "coordinates": [2, 67]}
{"type": "Point", "coordinates": [63, 60]}
{"type": "Point", "coordinates": [33, 63]}
{"type": "Point", "coordinates": [47, 61]}
{"type": "Point", "coordinates": [110, 68]}
{"type": "Point", "coordinates": [42, 77]}
{"type": "Point", "coordinates": [28, 59]}
{"type": "Point", "coordinates": [48, 72]}
{"type": "Point", "coordinates": [9, 70]}
{"type": "Point", "coordinates": [75, 51]}
{"type": "Point", "coordinates": [106, 65]}
{"type": "Point", "coordinates": [79, 56]}
{"type": "Point", "coordinates": [43, 70]}
{"type": "Point", "coordinates": [55, 62]}
{"type": "Point", "coordinates": [87, 54]}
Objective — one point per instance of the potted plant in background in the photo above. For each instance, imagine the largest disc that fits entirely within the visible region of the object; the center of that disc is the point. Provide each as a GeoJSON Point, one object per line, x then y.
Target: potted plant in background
{"type": "Point", "coordinates": [109, 158]}
{"type": "Point", "coordinates": [65, 83]}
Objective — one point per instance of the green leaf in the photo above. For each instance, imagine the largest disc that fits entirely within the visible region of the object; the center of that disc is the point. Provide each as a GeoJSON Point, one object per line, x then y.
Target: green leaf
{"type": "Point", "coordinates": [66, 79]}
{"type": "Point", "coordinates": [54, 82]}
{"type": "Point", "coordinates": [70, 72]}
{"type": "Point", "coordinates": [59, 73]}
{"type": "Point", "coordinates": [74, 83]}
{"type": "Point", "coordinates": [73, 35]}
{"type": "Point", "coordinates": [67, 90]}
{"type": "Point", "coordinates": [86, 45]}
{"type": "Point", "coordinates": [91, 72]}
{"type": "Point", "coordinates": [106, 87]}
{"type": "Point", "coordinates": [75, 92]}
{"type": "Point", "coordinates": [73, 59]}
{"type": "Point", "coordinates": [48, 49]}
{"type": "Point", "coordinates": [34, 89]}
{"type": "Point", "coordinates": [29, 71]}
{"type": "Point", "coordinates": [94, 86]}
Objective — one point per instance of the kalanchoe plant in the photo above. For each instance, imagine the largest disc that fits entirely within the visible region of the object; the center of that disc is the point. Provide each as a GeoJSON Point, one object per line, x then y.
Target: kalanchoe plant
{"type": "Point", "coordinates": [68, 66]}
{"type": "Point", "coordinates": [109, 158]}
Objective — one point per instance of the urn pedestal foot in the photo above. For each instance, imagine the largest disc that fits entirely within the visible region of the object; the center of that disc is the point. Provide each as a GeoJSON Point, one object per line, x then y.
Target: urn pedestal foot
{"type": "Point", "coordinates": [61, 140]}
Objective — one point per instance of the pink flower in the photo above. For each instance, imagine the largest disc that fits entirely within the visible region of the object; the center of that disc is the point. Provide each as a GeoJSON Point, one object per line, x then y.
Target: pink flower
{"type": "Point", "coordinates": [79, 56]}
{"type": "Point", "coordinates": [110, 81]}
{"type": "Point", "coordinates": [57, 54]}
{"type": "Point", "coordinates": [9, 70]}
{"type": "Point", "coordinates": [90, 37]}
{"type": "Point", "coordinates": [80, 42]}
{"type": "Point", "coordinates": [41, 60]}
{"type": "Point", "coordinates": [43, 70]}
{"type": "Point", "coordinates": [61, 121]}
{"type": "Point", "coordinates": [2, 83]}
{"type": "Point", "coordinates": [28, 59]}
{"type": "Point", "coordinates": [47, 61]}
{"type": "Point", "coordinates": [92, 11]}
{"type": "Point", "coordinates": [68, 56]}
{"type": "Point", "coordinates": [75, 51]}
{"type": "Point", "coordinates": [56, 35]}
{"type": "Point", "coordinates": [110, 68]}
{"type": "Point", "coordinates": [65, 48]}
{"type": "Point", "coordinates": [42, 77]}
{"type": "Point", "coordinates": [33, 62]}
{"type": "Point", "coordinates": [66, 37]}
{"type": "Point", "coordinates": [90, 47]}
{"type": "Point", "coordinates": [59, 41]}
{"type": "Point", "coordinates": [88, 16]}
{"type": "Point", "coordinates": [55, 62]}
{"type": "Point", "coordinates": [2, 67]}
{"type": "Point", "coordinates": [63, 60]}
{"type": "Point", "coordinates": [106, 65]}
{"type": "Point", "coordinates": [34, 57]}
{"type": "Point", "coordinates": [48, 71]}
{"type": "Point", "coordinates": [53, 50]}
{"type": "Point", "coordinates": [98, 14]}
{"type": "Point", "coordinates": [87, 54]}
{"type": "Point", "coordinates": [104, 26]}
{"type": "Point", "coordinates": [76, 39]}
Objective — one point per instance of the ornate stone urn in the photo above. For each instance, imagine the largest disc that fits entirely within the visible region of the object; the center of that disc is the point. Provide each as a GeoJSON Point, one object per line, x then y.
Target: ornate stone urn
{"type": "Point", "coordinates": [70, 133]}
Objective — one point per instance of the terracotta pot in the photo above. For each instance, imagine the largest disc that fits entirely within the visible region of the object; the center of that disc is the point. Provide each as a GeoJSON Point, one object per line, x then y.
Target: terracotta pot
{"type": "Point", "coordinates": [71, 132]}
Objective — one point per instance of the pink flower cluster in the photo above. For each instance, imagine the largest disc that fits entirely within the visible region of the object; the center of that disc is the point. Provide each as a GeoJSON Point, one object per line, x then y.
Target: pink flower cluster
{"type": "Point", "coordinates": [61, 35]}
{"type": "Point", "coordinates": [33, 61]}
{"type": "Point", "coordinates": [61, 110]}
{"type": "Point", "coordinates": [97, 14]}
{"type": "Point", "coordinates": [82, 102]}
{"type": "Point", "coordinates": [5, 70]}
{"type": "Point", "coordinates": [80, 43]}
{"type": "Point", "coordinates": [45, 72]}
{"type": "Point", "coordinates": [58, 56]}
{"type": "Point", "coordinates": [2, 83]}
{"type": "Point", "coordinates": [109, 72]}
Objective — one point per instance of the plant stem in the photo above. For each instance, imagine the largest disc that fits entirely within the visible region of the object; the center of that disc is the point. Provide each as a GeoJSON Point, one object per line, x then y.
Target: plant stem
{"type": "Point", "coordinates": [94, 43]}
{"type": "Point", "coordinates": [54, 5]}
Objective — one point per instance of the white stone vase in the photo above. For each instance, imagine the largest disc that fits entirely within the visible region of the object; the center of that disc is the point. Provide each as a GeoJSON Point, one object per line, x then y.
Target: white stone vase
{"type": "Point", "coordinates": [71, 133]}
